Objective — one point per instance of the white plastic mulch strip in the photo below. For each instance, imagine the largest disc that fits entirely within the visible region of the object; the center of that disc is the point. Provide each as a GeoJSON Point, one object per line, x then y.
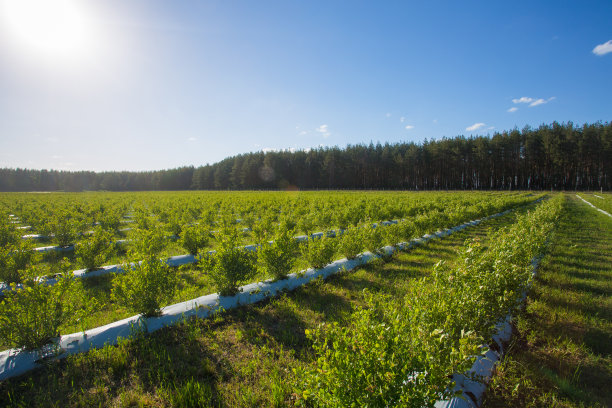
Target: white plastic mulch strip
{"type": "Point", "coordinates": [598, 209]}
{"type": "Point", "coordinates": [598, 196]}
{"type": "Point", "coordinates": [14, 362]}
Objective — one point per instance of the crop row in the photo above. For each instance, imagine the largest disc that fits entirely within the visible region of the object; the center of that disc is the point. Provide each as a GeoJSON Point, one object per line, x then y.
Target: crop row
{"type": "Point", "coordinates": [258, 226]}
{"type": "Point", "coordinates": [404, 352]}
{"type": "Point", "coordinates": [109, 329]}
{"type": "Point", "coordinates": [52, 214]}
{"type": "Point", "coordinates": [149, 284]}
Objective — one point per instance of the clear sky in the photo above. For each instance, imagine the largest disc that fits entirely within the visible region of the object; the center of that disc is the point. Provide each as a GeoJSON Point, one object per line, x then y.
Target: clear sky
{"type": "Point", "coordinates": [154, 84]}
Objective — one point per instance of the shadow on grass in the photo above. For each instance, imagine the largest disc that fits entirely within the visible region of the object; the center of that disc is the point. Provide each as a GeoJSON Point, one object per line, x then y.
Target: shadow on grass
{"type": "Point", "coordinates": [165, 360]}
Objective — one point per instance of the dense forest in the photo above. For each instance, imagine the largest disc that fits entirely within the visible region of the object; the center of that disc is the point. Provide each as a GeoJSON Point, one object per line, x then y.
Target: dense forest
{"type": "Point", "coordinates": [556, 156]}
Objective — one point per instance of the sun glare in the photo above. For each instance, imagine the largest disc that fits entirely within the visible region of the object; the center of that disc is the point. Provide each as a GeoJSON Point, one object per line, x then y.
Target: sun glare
{"type": "Point", "coordinates": [57, 29]}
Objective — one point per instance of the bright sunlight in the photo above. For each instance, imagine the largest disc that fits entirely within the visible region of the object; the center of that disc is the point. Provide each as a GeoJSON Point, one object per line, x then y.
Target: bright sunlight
{"type": "Point", "coordinates": [59, 30]}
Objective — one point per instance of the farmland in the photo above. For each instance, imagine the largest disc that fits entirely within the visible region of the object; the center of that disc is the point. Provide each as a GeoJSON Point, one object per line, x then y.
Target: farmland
{"type": "Point", "coordinates": [421, 315]}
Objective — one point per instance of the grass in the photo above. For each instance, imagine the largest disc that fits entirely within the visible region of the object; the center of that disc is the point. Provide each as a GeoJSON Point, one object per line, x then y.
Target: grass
{"type": "Point", "coordinates": [599, 200]}
{"type": "Point", "coordinates": [561, 352]}
{"type": "Point", "coordinates": [243, 357]}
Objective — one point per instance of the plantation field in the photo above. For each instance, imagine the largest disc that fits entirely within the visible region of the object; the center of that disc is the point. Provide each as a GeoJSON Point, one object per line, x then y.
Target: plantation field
{"type": "Point", "coordinates": [155, 216]}
{"type": "Point", "coordinates": [393, 332]}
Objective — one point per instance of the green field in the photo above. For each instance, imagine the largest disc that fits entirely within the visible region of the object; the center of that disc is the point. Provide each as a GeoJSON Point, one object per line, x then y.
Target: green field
{"type": "Point", "coordinates": [277, 353]}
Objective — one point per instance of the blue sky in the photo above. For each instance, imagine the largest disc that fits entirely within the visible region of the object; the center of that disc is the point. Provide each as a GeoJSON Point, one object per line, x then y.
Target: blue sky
{"type": "Point", "coordinates": [139, 85]}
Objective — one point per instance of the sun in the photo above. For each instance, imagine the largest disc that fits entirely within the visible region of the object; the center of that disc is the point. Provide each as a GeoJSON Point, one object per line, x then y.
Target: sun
{"type": "Point", "coordinates": [58, 29]}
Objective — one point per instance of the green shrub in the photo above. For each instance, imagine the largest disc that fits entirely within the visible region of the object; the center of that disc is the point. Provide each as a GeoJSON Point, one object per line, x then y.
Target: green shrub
{"type": "Point", "coordinates": [94, 251]}
{"type": "Point", "coordinates": [31, 317]}
{"type": "Point", "coordinates": [373, 239]}
{"type": "Point", "coordinates": [406, 230]}
{"type": "Point", "coordinates": [320, 252]}
{"type": "Point", "coordinates": [194, 238]}
{"type": "Point", "coordinates": [262, 229]}
{"type": "Point", "coordinates": [208, 217]}
{"type": "Point", "coordinates": [278, 258]}
{"type": "Point", "coordinates": [14, 260]}
{"type": "Point", "coordinates": [383, 357]}
{"type": "Point", "coordinates": [174, 223]}
{"type": "Point", "coordinates": [403, 352]}
{"type": "Point", "coordinates": [148, 284]}
{"type": "Point", "coordinates": [110, 220]}
{"type": "Point", "coordinates": [230, 266]}
{"type": "Point", "coordinates": [145, 286]}
{"type": "Point", "coordinates": [8, 233]}
{"type": "Point", "coordinates": [65, 228]}
{"type": "Point", "coordinates": [248, 219]}
{"type": "Point", "coordinates": [351, 242]}
{"type": "Point", "coordinates": [306, 224]}
{"type": "Point", "coordinates": [147, 243]}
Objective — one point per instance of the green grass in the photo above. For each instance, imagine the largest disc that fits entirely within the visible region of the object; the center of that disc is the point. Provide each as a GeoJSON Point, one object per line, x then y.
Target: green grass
{"type": "Point", "coordinates": [561, 352]}
{"type": "Point", "coordinates": [243, 357]}
{"type": "Point", "coordinates": [599, 200]}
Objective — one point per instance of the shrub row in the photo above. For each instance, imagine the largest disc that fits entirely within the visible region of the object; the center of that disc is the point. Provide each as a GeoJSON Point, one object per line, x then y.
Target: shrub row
{"type": "Point", "coordinates": [149, 283]}
{"type": "Point", "coordinates": [402, 352]}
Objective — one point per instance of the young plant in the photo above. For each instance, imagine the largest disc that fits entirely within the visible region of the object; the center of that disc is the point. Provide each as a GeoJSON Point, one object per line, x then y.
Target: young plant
{"type": "Point", "coordinates": [148, 284]}
{"type": "Point", "coordinates": [374, 239]}
{"type": "Point", "coordinates": [64, 227]}
{"type": "Point", "coordinates": [95, 250]}
{"type": "Point", "coordinates": [306, 225]}
{"type": "Point", "coordinates": [147, 242]}
{"type": "Point", "coordinates": [8, 233]}
{"type": "Point", "coordinates": [194, 238]}
{"type": "Point", "coordinates": [320, 252]}
{"type": "Point", "coordinates": [230, 266]}
{"type": "Point", "coordinates": [14, 260]}
{"type": "Point", "coordinates": [278, 258]}
{"type": "Point", "coordinates": [110, 220]}
{"type": "Point", "coordinates": [406, 230]}
{"type": "Point", "coordinates": [392, 234]}
{"type": "Point", "coordinates": [174, 223]}
{"type": "Point", "coordinates": [31, 317]}
{"type": "Point", "coordinates": [145, 286]}
{"type": "Point", "coordinates": [351, 242]}
{"type": "Point", "coordinates": [262, 229]}
{"type": "Point", "coordinates": [381, 358]}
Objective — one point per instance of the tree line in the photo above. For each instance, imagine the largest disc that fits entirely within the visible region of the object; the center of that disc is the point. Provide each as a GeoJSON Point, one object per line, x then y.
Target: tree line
{"type": "Point", "coordinates": [556, 156]}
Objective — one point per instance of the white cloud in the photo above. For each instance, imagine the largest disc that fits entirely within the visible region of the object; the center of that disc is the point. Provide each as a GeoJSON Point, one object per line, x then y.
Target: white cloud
{"type": "Point", "coordinates": [541, 101]}
{"type": "Point", "coordinates": [531, 101]}
{"type": "Point", "coordinates": [523, 99]}
{"type": "Point", "coordinates": [402, 119]}
{"type": "Point", "coordinates": [603, 49]}
{"type": "Point", "coordinates": [435, 121]}
{"type": "Point", "coordinates": [513, 109]}
{"type": "Point", "coordinates": [302, 133]}
{"type": "Point", "coordinates": [192, 139]}
{"type": "Point", "coordinates": [475, 126]}
{"type": "Point", "coordinates": [269, 149]}
{"type": "Point", "coordinates": [537, 102]}
{"type": "Point", "coordinates": [323, 130]}
{"type": "Point", "coordinates": [408, 127]}
{"type": "Point", "coordinates": [491, 128]}
{"type": "Point", "coordinates": [388, 115]}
